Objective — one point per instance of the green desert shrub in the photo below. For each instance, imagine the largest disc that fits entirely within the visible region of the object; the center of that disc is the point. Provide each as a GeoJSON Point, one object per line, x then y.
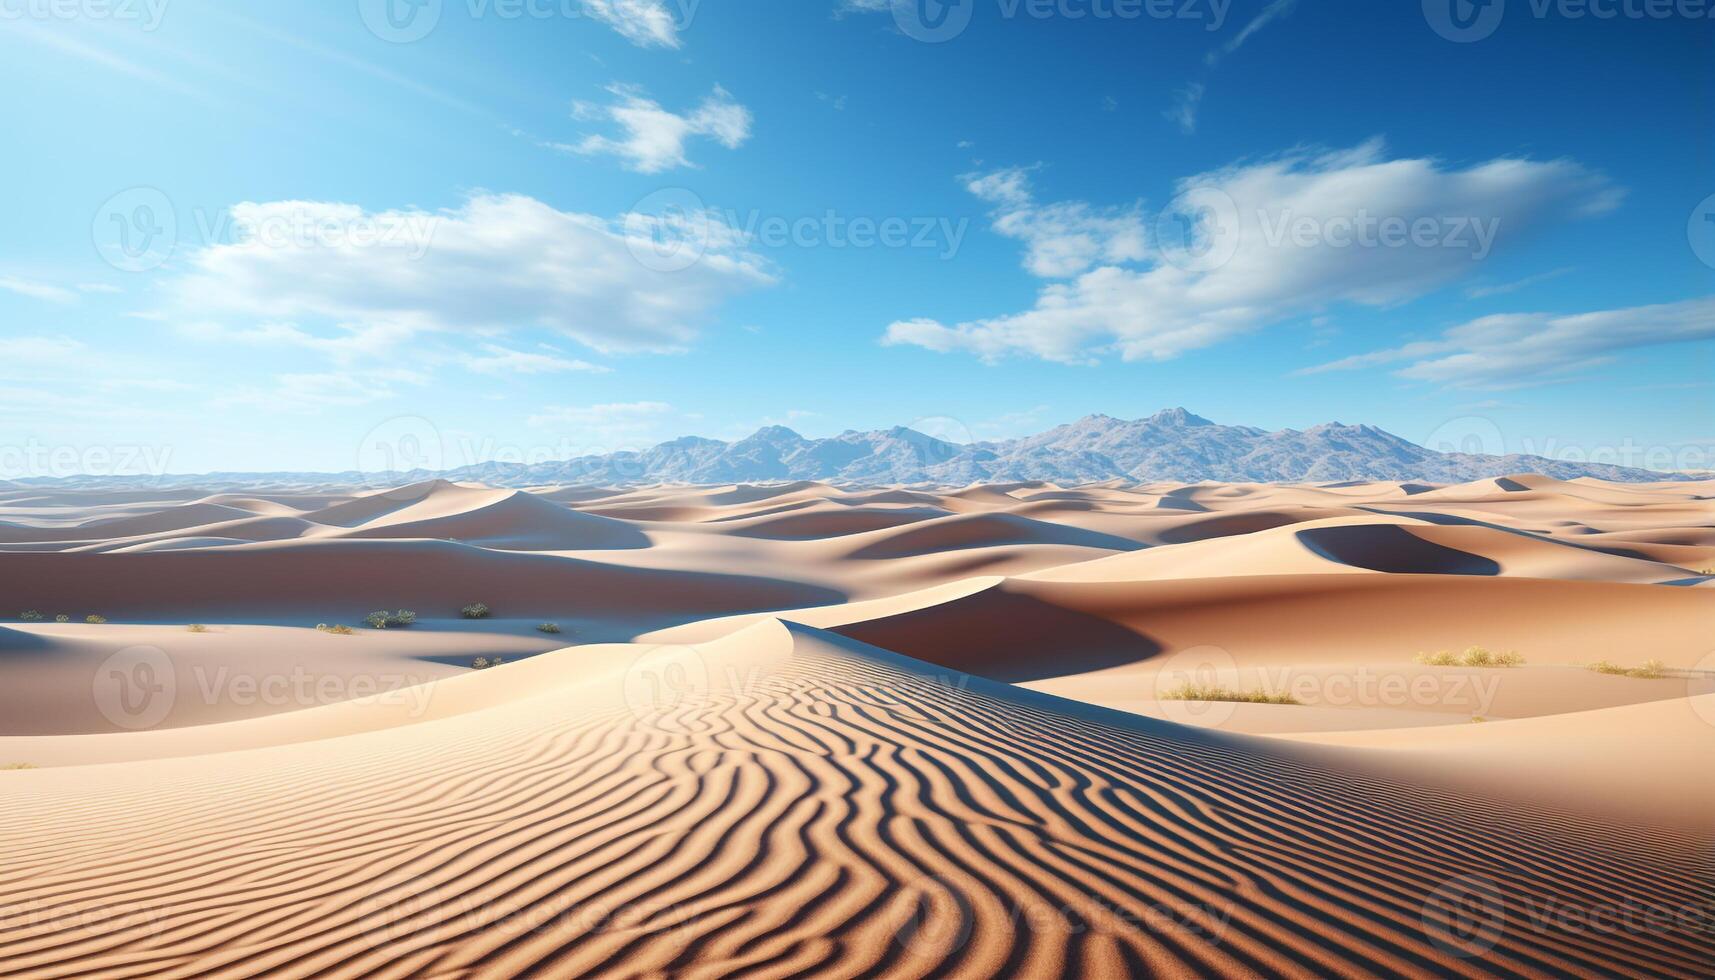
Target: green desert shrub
{"type": "Point", "coordinates": [386, 620]}
{"type": "Point", "coordinates": [480, 663]}
{"type": "Point", "coordinates": [62, 618]}
{"type": "Point", "coordinates": [1441, 658]}
{"type": "Point", "coordinates": [1215, 692]}
{"type": "Point", "coordinates": [475, 610]}
{"type": "Point", "coordinates": [337, 629]}
{"type": "Point", "coordinates": [17, 765]}
{"type": "Point", "coordinates": [197, 628]}
{"type": "Point", "coordinates": [95, 619]}
{"type": "Point", "coordinates": [30, 616]}
{"type": "Point", "coordinates": [549, 628]}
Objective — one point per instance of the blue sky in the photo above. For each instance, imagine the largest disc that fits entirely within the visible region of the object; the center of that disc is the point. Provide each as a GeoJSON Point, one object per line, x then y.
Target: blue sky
{"type": "Point", "coordinates": [305, 237]}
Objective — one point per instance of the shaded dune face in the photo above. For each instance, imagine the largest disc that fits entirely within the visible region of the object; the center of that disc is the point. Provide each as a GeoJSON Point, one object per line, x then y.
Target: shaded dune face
{"type": "Point", "coordinates": [1391, 548]}
{"type": "Point", "coordinates": [840, 812]}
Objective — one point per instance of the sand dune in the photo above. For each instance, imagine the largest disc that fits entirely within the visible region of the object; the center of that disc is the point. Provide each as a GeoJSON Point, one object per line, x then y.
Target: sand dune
{"type": "Point", "coordinates": [838, 809]}
{"type": "Point", "coordinates": [812, 730]}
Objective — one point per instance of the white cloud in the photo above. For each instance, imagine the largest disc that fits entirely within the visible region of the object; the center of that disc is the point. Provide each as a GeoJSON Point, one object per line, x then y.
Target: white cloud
{"type": "Point", "coordinates": [352, 343]}
{"type": "Point", "coordinates": [609, 426]}
{"type": "Point", "coordinates": [504, 360]}
{"type": "Point", "coordinates": [309, 393]}
{"type": "Point", "coordinates": [1271, 13]}
{"type": "Point", "coordinates": [33, 353]}
{"type": "Point", "coordinates": [1484, 290]}
{"type": "Point", "coordinates": [498, 262]}
{"type": "Point", "coordinates": [36, 289]}
{"type": "Point", "coordinates": [1164, 309]}
{"type": "Point", "coordinates": [1510, 349]}
{"type": "Point", "coordinates": [1186, 103]}
{"type": "Point", "coordinates": [1060, 239]}
{"type": "Point", "coordinates": [653, 138]}
{"type": "Point", "coordinates": [645, 23]}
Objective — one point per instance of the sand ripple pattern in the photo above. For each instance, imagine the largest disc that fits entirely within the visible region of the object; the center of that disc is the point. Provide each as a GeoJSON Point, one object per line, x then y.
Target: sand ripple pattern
{"type": "Point", "coordinates": [839, 813]}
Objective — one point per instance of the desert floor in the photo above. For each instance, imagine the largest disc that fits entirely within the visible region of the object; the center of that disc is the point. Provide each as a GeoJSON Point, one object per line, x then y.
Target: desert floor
{"type": "Point", "coordinates": [803, 730]}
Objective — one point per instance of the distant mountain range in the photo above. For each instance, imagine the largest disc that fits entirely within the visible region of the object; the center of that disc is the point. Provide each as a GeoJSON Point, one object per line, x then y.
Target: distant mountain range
{"type": "Point", "coordinates": [1169, 446]}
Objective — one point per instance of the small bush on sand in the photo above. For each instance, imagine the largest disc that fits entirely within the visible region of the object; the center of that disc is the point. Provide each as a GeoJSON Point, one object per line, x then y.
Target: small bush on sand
{"type": "Point", "coordinates": [337, 629]}
{"type": "Point", "coordinates": [197, 628]}
{"type": "Point", "coordinates": [548, 628]}
{"type": "Point", "coordinates": [62, 618]}
{"type": "Point", "coordinates": [1482, 657]}
{"type": "Point", "coordinates": [17, 765]}
{"type": "Point", "coordinates": [1649, 670]}
{"type": "Point", "coordinates": [95, 619]}
{"type": "Point", "coordinates": [480, 663]}
{"type": "Point", "coordinates": [387, 620]}
{"type": "Point", "coordinates": [1442, 658]}
{"type": "Point", "coordinates": [1215, 692]}
{"type": "Point", "coordinates": [475, 610]}
{"type": "Point", "coordinates": [30, 616]}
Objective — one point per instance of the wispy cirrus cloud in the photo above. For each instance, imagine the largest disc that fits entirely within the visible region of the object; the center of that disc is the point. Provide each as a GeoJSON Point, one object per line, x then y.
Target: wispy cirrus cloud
{"type": "Point", "coordinates": [1515, 349]}
{"type": "Point", "coordinates": [645, 23]}
{"type": "Point", "coordinates": [1188, 98]}
{"type": "Point", "coordinates": [497, 359]}
{"type": "Point", "coordinates": [36, 289]}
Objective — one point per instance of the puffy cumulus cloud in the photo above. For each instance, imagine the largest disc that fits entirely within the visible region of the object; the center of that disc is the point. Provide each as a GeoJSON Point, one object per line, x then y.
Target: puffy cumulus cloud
{"type": "Point", "coordinates": [653, 139]}
{"type": "Point", "coordinates": [1512, 349]}
{"type": "Point", "coordinates": [1257, 243]}
{"type": "Point", "coordinates": [498, 262]}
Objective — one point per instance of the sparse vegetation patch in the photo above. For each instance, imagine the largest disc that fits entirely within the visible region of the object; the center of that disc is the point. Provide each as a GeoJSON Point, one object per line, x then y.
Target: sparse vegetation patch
{"type": "Point", "coordinates": [549, 628]}
{"type": "Point", "coordinates": [1472, 657]}
{"type": "Point", "coordinates": [1215, 692]}
{"type": "Point", "coordinates": [1648, 670]}
{"type": "Point", "coordinates": [337, 629]}
{"type": "Point", "coordinates": [475, 610]}
{"type": "Point", "coordinates": [391, 620]}
{"type": "Point", "coordinates": [30, 616]}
